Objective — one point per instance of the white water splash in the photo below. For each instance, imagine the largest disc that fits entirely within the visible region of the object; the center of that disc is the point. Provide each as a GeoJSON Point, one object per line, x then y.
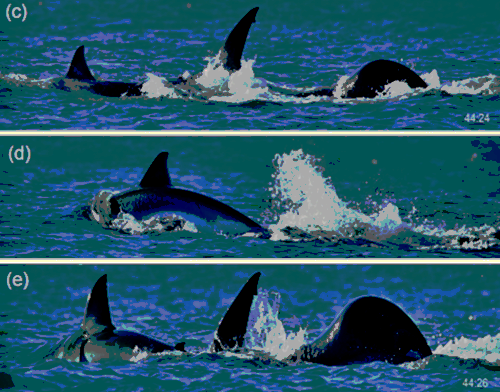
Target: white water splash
{"type": "Point", "coordinates": [340, 88]}
{"type": "Point", "coordinates": [21, 80]}
{"type": "Point", "coordinates": [156, 87]}
{"type": "Point", "coordinates": [486, 348]}
{"type": "Point", "coordinates": [305, 206]}
{"type": "Point", "coordinates": [396, 89]}
{"type": "Point", "coordinates": [19, 77]}
{"type": "Point", "coordinates": [308, 205]}
{"type": "Point", "coordinates": [243, 86]}
{"type": "Point", "coordinates": [432, 79]}
{"type": "Point", "coordinates": [265, 330]}
{"type": "Point", "coordinates": [214, 74]}
{"type": "Point", "coordinates": [484, 85]}
{"type": "Point", "coordinates": [139, 354]}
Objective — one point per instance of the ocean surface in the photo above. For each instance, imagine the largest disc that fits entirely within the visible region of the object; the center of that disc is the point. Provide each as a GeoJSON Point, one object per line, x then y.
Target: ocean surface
{"type": "Point", "coordinates": [316, 197]}
{"type": "Point", "coordinates": [293, 47]}
{"type": "Point", "coordinates": [455, 307]}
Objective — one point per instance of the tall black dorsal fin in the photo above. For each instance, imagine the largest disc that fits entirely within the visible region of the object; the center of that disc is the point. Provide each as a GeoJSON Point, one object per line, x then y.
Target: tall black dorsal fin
{"type": "Point", "coordinates": [233, 326]}
{"type": "Point", "coordinates": [157, 175]}
{"type": "Point", "coordinates": [97, 317]}
{"type": "Point", "coordinates": [233, 48]}
{"type": "Point", "coordinates": [78, 69]}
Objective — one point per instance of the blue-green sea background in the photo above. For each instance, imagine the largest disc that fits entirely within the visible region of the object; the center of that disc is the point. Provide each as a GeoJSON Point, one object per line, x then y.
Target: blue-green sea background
{"type": "Point", "coordinates": [176, 303]}
{"type": "Point", "coordinates": [409, 196]}
{"type": "Point", "coordinates": [297, 45]}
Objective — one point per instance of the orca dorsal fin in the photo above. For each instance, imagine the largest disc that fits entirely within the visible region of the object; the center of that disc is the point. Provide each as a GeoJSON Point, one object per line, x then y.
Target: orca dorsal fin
{"type": "Point", "coordinates": [180, 346]}
{"type": "Point", "coordinates": [78, 69]}
{"type": "Point", "coordinates": [97, 317]}
{"type": "Point", "coordinates": [233, 326]}
{"type": "Point", "coordinates": [232, 50]}
{"type": "Point", "coordinates": [157, 175]}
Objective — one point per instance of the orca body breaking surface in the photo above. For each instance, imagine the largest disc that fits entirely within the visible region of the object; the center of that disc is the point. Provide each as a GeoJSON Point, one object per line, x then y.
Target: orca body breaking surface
{"type": "Point", "coordinates": [157, 195]}
{"type": "Point", "coordinates": [368, 329]}
{"type": "Point", "coordinates": [372, 80]}
{"type": "Point", "coordinates": [80, 77]}
{"type": "Point", "coordinates": [80, 73]}
{"type": "Point", "coordinates": [98, 339]}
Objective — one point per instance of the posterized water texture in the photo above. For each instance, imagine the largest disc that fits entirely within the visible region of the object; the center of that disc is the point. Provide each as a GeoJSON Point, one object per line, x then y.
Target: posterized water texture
{"type": "Point", "coordinates": [250, 197]}
{"type": "Point", "coordinates": [454, 307]}
{"type": "Point", "coordinates": [293, 49]}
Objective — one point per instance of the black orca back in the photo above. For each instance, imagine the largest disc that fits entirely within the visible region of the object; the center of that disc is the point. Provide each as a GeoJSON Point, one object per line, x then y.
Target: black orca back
{"type": "Point", "coordinates": [6, 381]}
{"type": "Point", "coordinates": [369, 329]}
{"type": "Point", "coordinates": [375, 76]}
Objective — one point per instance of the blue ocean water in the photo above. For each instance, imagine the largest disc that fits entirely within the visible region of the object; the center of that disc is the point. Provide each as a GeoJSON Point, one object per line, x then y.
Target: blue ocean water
{"type": "Point", "coordinates": [293, 47]}
{"type": "Point", "coordinates": [454, 306]}
{"type": "Point", "coordinates": [317, 197]}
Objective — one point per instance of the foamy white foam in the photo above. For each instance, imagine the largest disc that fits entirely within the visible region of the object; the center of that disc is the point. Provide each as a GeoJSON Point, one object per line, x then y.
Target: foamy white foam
{"type": "Point", "coordinates": [432, 79]}
{"type": "Point", "coordinates": [305, 206]}
{"type": "Point", "coordinates": [486, 348]}
{"type": "Point", "coordinates": [266, 332]}
{"type": "Point", "coordinates": [214, 74]}
{"type": "Point", "coordinates": [306, 202]}
{"type": "Point", "coordinates": [486, 85]}
{"type": "Point", "coordinates": [156, 87]}
{"type": "Point", "coordinates": [396, 89]}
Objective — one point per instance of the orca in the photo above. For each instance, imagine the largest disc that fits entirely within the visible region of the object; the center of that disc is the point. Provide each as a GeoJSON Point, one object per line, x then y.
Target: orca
{"type": "Point", "coordinates": [157, 195]}
{"type": "Point", "coordinates": [98, 339]}
{"type": "Point", "coordinates": [6, 381]}
{"type": "Point", "coordinates": [230, 334]}
{"type": "Point", "coordinates": [372, 79]}
{"type": "Point", "coordinates": [368, 329]}
{"type": "Point", "coordinates": [80, 77]}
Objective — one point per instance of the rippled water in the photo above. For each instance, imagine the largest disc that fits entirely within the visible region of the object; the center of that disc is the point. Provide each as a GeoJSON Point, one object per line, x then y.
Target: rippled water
{"type": "Point", "coordinates": [293, 47]}
{"type": "Point", "coordinates": [315, 196]}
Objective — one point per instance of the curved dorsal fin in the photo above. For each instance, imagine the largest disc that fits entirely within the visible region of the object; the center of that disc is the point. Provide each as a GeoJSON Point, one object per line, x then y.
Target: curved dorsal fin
{"type": "Point", "coordinates": [97, 317]}
{"type": "Point", "coordinates": [157, 175]}
{"type": "Point", "coordinates": [233, 326]}
{"type": "Point", "coordinates": [180, 346]}
{"type": "Point", "coordinates": [78, 69]}
{"type": "Point", "coordinates": [235, 42]}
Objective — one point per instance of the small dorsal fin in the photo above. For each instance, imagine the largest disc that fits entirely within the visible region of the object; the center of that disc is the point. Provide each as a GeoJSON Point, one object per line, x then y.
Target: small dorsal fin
{"type": "Point", "coordinates": [78, 69]}
{"type": "Point", "coordinates": [97, 317]}
{"type": "Point", "coordinates": [233, 48]}
{"type": "Point", "coordinates": [180, 346]}
{"type": "Point", "coordinates": [233, 326]}
{"type": "Point", "coordinates": [157, 175]}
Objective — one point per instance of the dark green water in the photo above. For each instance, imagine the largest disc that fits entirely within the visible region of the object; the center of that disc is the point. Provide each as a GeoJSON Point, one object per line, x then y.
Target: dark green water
{"type": "Point", "coordinates": [453, 306]}
{"type": "Point", "coordinates": [295, 45]}
{"type": "Point", "coordinates": [365, 197]}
